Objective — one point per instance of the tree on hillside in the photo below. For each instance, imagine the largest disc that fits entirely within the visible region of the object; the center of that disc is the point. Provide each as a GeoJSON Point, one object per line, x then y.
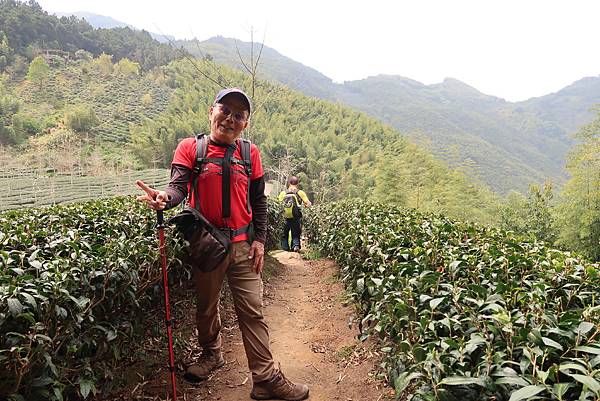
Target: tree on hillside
{"type": "Point", "coordinates": [251, 65]}
{"type": "Point", "coordinates": [83, 55]}
{"type": "Point", "coordinates": [5, 51]}
{"type": "Point", "coordinates": [286, 163]}
{"type": "Point", "coordinates": [9, 106]}
{"type": "Point", "coordinates": [532, 215]}
{"type": "Point", "coordinates": [103, 64]}
{"type": "Point", "coordinates": [127, 68]}
{"type": "Point", "coordinates": [18, 67]}
{"type": "Point", "coordinates": [155, 146]}
{"type": "Point", "coordinates": [81, 118]}
{"type": "Point", "coordinates": [540, 221]}
{"type": "Point", "coordinates": [579, 218]}
{"type": "Point", "coordinates": [39, 71]}
{"type": "Point", "coordinates": [146, 99]}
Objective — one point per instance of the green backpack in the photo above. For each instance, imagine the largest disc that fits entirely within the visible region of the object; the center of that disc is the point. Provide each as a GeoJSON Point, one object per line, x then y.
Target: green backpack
{"type": "Point", "coordinates": [291, 205]}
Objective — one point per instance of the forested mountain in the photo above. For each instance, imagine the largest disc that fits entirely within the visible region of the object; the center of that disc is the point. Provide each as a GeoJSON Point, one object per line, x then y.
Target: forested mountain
{"type": "Point", "coordinates": [567, 107]}
{"type": "Point", "coordinates": [507, 149]}
{"type": "Point", "coordinates": [508, 145]}
{"type": "Point", "coordinates": [29, 31]}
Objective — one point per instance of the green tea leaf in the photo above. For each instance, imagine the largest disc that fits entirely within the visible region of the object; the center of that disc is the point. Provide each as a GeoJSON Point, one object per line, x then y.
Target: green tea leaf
{"type": "Point", "coordinates": [589, 350]}
{"type": "Point", "coordinates": [559, 389]}
{"type": "Point", "coordinates": [526, 393]}
{"type": "Point", "coordinates": [404, 379]}
{"type": "Point", "coordinates": [588, 381]}
{"type": "Point", "coordinates": [551, 343]}
{"type": "Point", "coordinates": [564, 367]}
{"type": "Point", "coordinates": [85, 387]}
{"type": "Point", "coordinates": [435, 302]}
{"type": "Point", "coordinates": [584, 327]}
{"type": "Point", "coordinates": [58, 394]}
{"type": "Point", "coordinates": [513, 380]}
{"type": "Point", "coordinates": [111, 335]}
{"type": "Point", "coordinates": [462, 380]}
{"type": "Point", "coordinates": [14, 306]}
{"type": "Point", "coordinates": [29, 299]}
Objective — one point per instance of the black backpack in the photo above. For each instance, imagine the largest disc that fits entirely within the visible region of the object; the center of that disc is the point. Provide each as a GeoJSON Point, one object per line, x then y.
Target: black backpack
{"type": "Point", "coordinates": [225, 163]}
{"type": "Point", "coordinates": [291, 204]}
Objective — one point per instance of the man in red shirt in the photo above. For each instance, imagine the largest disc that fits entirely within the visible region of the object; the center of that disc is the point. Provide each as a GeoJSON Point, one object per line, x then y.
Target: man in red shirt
{"type": "Point", "coordinates": [228, 117]}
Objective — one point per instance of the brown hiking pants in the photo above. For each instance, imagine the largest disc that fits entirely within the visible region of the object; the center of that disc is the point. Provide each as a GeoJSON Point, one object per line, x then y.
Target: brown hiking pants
{"type": "Point", "coordinates": [246, 289]}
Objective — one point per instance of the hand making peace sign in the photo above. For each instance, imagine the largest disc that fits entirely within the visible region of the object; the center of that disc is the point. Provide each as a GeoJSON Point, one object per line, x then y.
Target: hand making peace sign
{"type": "Point", "coordinates": [156, 200]}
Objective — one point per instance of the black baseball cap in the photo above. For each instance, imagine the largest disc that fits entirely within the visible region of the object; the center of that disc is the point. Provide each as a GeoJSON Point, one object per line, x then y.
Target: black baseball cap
{"type": "Point", "coordinates": [241, 93]}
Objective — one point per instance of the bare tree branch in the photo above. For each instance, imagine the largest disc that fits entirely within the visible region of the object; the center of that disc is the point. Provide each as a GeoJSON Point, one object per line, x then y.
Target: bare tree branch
{"type": "Point", "coordinates": [221, 81]}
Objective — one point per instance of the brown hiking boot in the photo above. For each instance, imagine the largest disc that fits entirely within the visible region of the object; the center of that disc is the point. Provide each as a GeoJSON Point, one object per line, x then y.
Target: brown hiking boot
{"type": "Point", "coordinates": [209, 361]}
{"type": "Point", "coordinates": [279, 388]}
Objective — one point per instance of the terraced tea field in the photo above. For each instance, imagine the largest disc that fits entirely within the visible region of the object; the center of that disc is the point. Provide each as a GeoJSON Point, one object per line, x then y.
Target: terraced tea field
{"type": "Point", "coordinates": [118, 101]}
{"type": "Point", "coordinates": [31, 188]}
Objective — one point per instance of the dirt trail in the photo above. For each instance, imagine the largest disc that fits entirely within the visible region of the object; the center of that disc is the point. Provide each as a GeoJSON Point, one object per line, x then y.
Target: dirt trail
{"type": "Point", "coordinates": [310, 338]}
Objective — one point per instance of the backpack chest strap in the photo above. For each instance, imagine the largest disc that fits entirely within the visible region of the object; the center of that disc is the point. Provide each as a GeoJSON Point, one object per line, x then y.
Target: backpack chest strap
{"type": "Point", "coordinates": [219, 161]}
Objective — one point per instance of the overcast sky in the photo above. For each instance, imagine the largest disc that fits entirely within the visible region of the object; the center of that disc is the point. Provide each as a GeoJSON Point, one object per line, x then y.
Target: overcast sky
{"type": "Point", "coordinates": [514, 49]}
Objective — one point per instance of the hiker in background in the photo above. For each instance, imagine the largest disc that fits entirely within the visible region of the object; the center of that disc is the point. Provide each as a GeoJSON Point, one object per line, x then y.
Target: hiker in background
{"type": "Point", "coordinates": [292, 199]}
{"type": "Point", "coordinates": [246, 207]}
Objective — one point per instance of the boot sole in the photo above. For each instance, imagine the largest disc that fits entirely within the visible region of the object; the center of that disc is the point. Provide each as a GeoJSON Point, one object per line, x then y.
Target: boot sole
{"type": "Point", "coordinates": [192, 378]}
{"type": "Point", "coordinates": [256, 397]}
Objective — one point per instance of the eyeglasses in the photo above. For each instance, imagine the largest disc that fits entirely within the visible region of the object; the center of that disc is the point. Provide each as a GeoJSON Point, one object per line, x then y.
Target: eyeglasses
{"type": "Point", "coordinates": [238, 116]}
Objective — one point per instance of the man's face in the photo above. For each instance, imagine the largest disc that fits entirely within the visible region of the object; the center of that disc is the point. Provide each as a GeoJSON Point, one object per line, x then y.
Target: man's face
{"type": "Point", "coordinates": [228, 119]}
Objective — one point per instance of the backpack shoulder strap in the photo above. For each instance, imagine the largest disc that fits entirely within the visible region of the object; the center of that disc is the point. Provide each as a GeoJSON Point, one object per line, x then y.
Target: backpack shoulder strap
{"type": "Point", "coordinates": [201, 150]}
{"type": "Point", "coordinates": [244, 145]}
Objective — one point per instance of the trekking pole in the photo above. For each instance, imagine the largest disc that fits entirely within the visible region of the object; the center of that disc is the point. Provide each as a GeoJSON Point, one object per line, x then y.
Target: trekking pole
{"type": "Point", "coordinates": [160, 225]}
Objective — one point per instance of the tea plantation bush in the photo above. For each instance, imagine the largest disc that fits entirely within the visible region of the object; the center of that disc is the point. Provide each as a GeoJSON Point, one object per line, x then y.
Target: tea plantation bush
{"type": "Point", "coordinates": [466, 312]}
{"type": "Point", "coordinates": [75, 282]}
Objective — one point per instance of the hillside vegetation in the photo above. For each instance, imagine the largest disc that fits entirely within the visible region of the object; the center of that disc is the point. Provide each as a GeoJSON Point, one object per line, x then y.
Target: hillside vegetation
{"type": "Point", "coordinates": [117, 98]}
{"type": "Point", "coordinates": [579, 210]}
{"type": "Point", "coordinates": [507, 145]}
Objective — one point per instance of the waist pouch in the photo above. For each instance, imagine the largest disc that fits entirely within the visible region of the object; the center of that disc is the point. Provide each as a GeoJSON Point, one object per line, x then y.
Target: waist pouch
{"type": "Point", "coordinates": [207, 246]}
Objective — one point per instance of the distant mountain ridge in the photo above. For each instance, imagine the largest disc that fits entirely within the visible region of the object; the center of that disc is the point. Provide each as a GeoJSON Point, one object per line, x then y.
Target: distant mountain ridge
{"type": "Point", "coordinates": [106, 22]}
{"type": "Point", "coordinates": [507, 145]}
{"type": "Point", "coordinates": [95, 20]}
